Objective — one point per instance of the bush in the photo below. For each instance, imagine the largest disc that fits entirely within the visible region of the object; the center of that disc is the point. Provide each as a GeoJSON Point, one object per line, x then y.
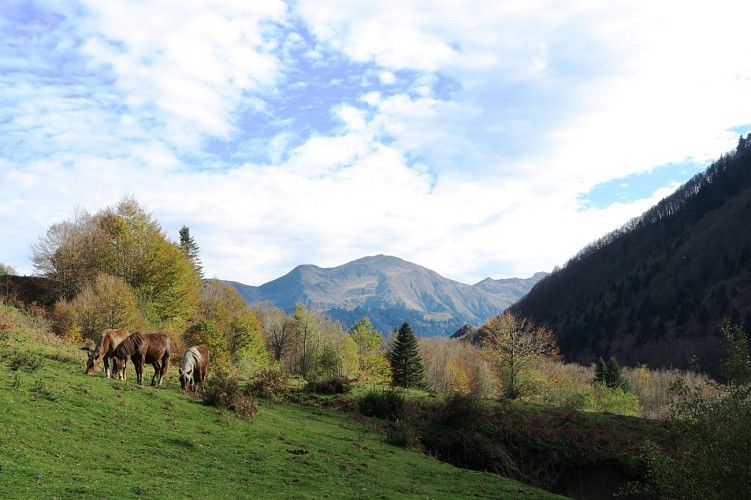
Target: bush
{"type": "Point", "coordinates": [715, 462]}
{"type": "Point", "coordinates": [617, 401]}
{"type": "Point", "coordinates": [26, 361]}
{"type": "Point", "coordinates": [460, 432]}
{"type": "Point", "coordinates": [329, 385]}
{"type": "Point", "coordinates": [224, 392]}
{"type": "Point", "coordinates": [387, 404]}
{"type": "Point", "coordinates": [268, 383]}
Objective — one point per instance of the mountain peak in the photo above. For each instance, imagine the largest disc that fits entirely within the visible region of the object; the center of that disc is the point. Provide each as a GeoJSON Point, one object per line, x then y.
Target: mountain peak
{"type": "Point", "coordinates": [388, 290]}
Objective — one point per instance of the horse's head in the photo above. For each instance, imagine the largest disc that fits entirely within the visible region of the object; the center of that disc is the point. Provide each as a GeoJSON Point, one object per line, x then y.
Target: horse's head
{"type": "Point", "coordinates": [186, 378]}
{"type": "Point", "coordinates": [92, 364]}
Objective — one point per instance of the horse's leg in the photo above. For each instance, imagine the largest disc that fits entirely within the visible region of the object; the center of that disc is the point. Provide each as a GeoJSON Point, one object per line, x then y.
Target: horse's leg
{"type": "Point", "coordinates": [139, 362]}
{"type": "Point", "coordinates": [165, 365]}
{"type": "Point", "coordinates": [106, 360]}
{"type": "Point", "coordinates": [157, 369]}
{"type": "Point", "coordinates": [201, 377]}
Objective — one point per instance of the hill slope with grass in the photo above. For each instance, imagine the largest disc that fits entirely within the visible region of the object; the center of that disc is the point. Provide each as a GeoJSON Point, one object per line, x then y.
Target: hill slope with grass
{"type": "Point", "coordinates": [67, 435]}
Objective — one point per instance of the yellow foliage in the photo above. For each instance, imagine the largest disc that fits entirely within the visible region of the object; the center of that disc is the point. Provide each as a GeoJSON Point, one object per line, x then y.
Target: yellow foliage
{"type": "Point", "coordinates": [459, 381]}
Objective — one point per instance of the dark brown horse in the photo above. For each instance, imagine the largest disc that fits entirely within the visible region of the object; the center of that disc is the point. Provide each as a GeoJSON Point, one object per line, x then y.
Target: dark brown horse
{"type": "Point", "coordinates": [153, 348]}
{"type": "Point", "coordinates": [193, 367]}
{"type": "Point", "coordinates": [105, 346]}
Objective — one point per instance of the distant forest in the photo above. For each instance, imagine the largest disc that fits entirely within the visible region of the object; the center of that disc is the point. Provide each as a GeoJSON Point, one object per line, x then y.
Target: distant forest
{"type": "Point", "coordinates": [655, 290]}
{"type": "Point", "coordinates": [387, 319]}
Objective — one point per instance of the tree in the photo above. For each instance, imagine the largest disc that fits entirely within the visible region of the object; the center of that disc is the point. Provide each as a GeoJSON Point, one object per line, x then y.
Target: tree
{"type": "Point", "coordinates": [318, 347]}
{"type": "Point", "coordinates": [513, 346]}
{"type": "Point", "coordinates": [228, 327]}
{"type": "Point", "coordinates": [715, 433]}
{"type": "Point", "coordinates": [122, 241]}
{"type": "Point", "coordinates": [371, 358]}
{"type": "Point", "coordinates": [190, 248]}
{"type": "Point", "coordinates": [68, 254]}
{"type": "Point", "coordinates": [6, 270]}
{"type": "Point", "coordinates": [609, 374]}
{"type": "Point", "coordinates": [164, 279]}
{"type": "Point", "coordinates": [107, 302]}
{"type": "Point", "coordinates": [737, 366]}
{"type": "Point", "coordinates": [278, 328]}
{"type": "Point", "coordinates": [406, 364]}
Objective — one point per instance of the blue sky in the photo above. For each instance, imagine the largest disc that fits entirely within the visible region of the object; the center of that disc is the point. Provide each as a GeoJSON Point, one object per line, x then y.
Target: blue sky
{"type": "Point", "coordinates": [477, 139]}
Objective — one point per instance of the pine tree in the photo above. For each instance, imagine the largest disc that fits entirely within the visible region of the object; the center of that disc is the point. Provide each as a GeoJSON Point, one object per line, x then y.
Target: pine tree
{"type": "Point", "coordinates": [609, 373]}
{"type": "Point", "coordinates": [601, 369]}
{"type": "Point", "coordinates": [406, 364]}
{"type": "Point", "coordinates": [189, 246]}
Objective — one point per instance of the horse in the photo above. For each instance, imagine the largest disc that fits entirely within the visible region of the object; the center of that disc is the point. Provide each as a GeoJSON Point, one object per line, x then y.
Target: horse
{"type": "Point", "coordinates": [142, 348]}
{"type": "Point", "coordinates": [193, 367]}
{"type": "Point", "coordinates": [105, 346]}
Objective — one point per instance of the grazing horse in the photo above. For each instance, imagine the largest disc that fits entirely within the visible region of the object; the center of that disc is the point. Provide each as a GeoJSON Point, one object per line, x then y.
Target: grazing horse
{"type": "Point", "coordinates": [193, 367]}
{"type": "Point", "coordinates": [105, 346]}
{"type": "Point", "coordinates": [153, 348]}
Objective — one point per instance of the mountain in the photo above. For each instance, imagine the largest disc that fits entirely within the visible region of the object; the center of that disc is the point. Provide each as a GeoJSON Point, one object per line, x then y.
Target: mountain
{"type": "Point", "coordinates": [390, 291]}
{"type": "Point", "coordinates": [655, 290]}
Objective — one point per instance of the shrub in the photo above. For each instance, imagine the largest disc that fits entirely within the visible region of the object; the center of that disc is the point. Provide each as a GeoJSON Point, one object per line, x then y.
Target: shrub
{"type": "Point", "coordinates": [460, 431]}
{"type": "Point", "coordinates": [387, 404]}
{"type": "Point", "coordinates": [715, 462]}
{"type": "Point", "coordinates": [267, 383]}
{"type": "Point", "coordinates": [617, 401]}
{"type": "Point", "coordinates": [26, 361]}
{"type": "Point", "coordinates": [329, 385]}
{"type": "Point", "coordinates": [224, 392]}
{"type": "Point", "coordinates": [8, 319]}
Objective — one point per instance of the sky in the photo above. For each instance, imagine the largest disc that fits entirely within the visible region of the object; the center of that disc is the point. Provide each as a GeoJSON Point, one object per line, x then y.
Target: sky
{"type": "Point", "coordinates": [478, 139]}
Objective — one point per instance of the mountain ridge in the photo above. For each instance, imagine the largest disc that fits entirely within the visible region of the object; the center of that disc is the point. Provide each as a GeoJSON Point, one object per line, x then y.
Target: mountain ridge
{"type": "Point", "coordinates": [656, 290]}
{"type": "Point", "coordinates": [386, 288]}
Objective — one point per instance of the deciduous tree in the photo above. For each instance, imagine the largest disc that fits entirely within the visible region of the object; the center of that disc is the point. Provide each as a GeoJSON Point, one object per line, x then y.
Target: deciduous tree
{"type": "Point", "coordinates": [278, 328]}
{"type": "Point", "coordinates": [513, 345]}
{"type": "Point", "coordinates": [122, 241]}
{"type": "Point", "coordinates": [371, 358]}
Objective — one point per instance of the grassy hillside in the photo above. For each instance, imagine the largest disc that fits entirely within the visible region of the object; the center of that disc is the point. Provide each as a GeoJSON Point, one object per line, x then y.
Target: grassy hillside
{"type": "Point", "coordinates": [65, 435]}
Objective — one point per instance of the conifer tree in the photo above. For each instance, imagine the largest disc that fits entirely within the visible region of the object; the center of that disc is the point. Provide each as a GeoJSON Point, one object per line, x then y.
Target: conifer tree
{"type": "Point", "coordinates": [406, 364]}
{"type": "Point", "coordinates": [609, 373]}
{"type": "Point", "coordinates": [190, 247]}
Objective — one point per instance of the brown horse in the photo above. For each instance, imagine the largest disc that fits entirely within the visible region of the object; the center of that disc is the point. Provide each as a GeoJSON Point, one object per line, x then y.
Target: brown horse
{"type": "Point", "coordinates": [193, 367]}
{"type": "Point", "coordinates": [153, 348]}
{"type": "Point", "coordinates": [105, 346]}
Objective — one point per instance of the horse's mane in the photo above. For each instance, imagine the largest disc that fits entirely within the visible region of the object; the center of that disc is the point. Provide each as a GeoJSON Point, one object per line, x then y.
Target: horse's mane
{"type": "Point", "coordinates": [98, 346]}
{"type": "Point", "coordinates": [131, 345]}
{"type": "Point", "coordinates": [191, 359]}
{"type": "Point", "coordinates": [196, 355]}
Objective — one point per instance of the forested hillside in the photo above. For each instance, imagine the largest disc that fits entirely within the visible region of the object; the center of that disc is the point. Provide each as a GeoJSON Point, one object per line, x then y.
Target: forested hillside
{"type": "Point", "coordinates": [655, 290]}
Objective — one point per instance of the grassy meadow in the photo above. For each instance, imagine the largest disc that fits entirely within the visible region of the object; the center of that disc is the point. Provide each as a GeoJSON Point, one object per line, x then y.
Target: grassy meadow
{"type": "Point", "coordinates": [67, 435]}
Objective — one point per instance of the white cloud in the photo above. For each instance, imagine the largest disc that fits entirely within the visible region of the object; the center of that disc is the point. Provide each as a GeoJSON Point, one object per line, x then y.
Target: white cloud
{"type": "Point", "coordinates": [462, 141]}
{"type": "Point", "coordinates": [186, 65]}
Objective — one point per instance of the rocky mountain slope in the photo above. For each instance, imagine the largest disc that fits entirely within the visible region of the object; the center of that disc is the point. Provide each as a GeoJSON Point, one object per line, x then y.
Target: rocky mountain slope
{"type": "Point", "coordinates": [389, 291]}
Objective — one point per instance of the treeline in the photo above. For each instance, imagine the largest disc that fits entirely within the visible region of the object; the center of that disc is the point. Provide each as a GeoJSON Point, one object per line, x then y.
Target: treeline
{"type": "Point", "coordinates": [384, 319]}
{"type": "Point", "coordinates": [656, 290]}
{"type": "Point", "coordinates": [703, 192]}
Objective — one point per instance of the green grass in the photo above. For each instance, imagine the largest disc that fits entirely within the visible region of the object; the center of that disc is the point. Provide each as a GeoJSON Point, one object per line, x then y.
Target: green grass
{"type": "Point", "coordinates": [67, 435]}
